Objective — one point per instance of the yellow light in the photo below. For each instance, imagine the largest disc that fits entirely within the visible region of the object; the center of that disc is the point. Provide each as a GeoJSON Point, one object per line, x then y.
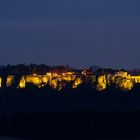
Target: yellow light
{"type": "Point", "coordinates": [126, 84]}
{"type": "Point", "coordinates": [10, 80]}
{"type": "Point", "coordinates": [22, 83]}
{"type": "Point", "coordinates": [0, 82]}
{"type": "Point", "coordinates": [102, 83]}
{"type": "Point", "coordinates": [63, 74]}
{"type": "Point", "coordinates": [77, 82]}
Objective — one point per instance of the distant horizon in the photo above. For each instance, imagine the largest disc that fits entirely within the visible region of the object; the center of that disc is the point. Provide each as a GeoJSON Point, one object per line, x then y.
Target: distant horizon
{"type": "Point", "coordinates": [71, 66]}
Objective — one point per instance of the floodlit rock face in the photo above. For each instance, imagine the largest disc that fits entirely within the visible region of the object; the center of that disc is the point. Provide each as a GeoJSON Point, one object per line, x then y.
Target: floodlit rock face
{"type": "Point", "coordinates": [101, 83]}
{"type": "Point", "coordinates": [54, 80]}
{"type": "Point", "coordinates": [77, 82]}
{"type": "Point", "coordinates": [22, 83]}
{"type": "Point", "coordinates": [10, 80]}
{"type": "Point", "coordinates": [126, 84]}
{"type": "Point", "coordinates": [33, 79]}
{"type": "Point", "coordinates": [37, 79]}
{"type": "Point", "coordinates": [54, 83]}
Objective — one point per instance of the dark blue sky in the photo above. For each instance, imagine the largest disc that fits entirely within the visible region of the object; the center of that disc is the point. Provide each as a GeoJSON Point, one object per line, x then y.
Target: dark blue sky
{"type": "Point", "coordinates": [75, 32]}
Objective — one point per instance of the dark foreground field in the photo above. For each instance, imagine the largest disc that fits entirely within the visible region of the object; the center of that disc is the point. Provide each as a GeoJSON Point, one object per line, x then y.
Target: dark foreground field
{"type": "Point", "coordinates": [86, 125]}
{"type": "Point", "coordinates": [70, 114]}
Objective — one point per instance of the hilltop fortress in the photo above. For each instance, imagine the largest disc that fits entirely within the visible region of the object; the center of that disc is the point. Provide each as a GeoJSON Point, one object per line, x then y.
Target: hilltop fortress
{"type": "Point", "coordinates": [58, 81]}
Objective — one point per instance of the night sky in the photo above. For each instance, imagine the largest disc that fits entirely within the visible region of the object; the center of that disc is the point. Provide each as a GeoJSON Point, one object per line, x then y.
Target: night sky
{"type": "Point", "coordinates": [75, 32]}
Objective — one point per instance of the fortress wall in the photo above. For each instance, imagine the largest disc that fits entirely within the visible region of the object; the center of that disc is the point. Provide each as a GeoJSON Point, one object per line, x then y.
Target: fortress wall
{"type": "Point", "coordinates": [59, 80]}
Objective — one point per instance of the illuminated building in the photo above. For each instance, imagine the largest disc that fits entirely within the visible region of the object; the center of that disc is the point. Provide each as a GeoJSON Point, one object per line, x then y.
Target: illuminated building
{"type": "Point", "coordinates": [122, 74]}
